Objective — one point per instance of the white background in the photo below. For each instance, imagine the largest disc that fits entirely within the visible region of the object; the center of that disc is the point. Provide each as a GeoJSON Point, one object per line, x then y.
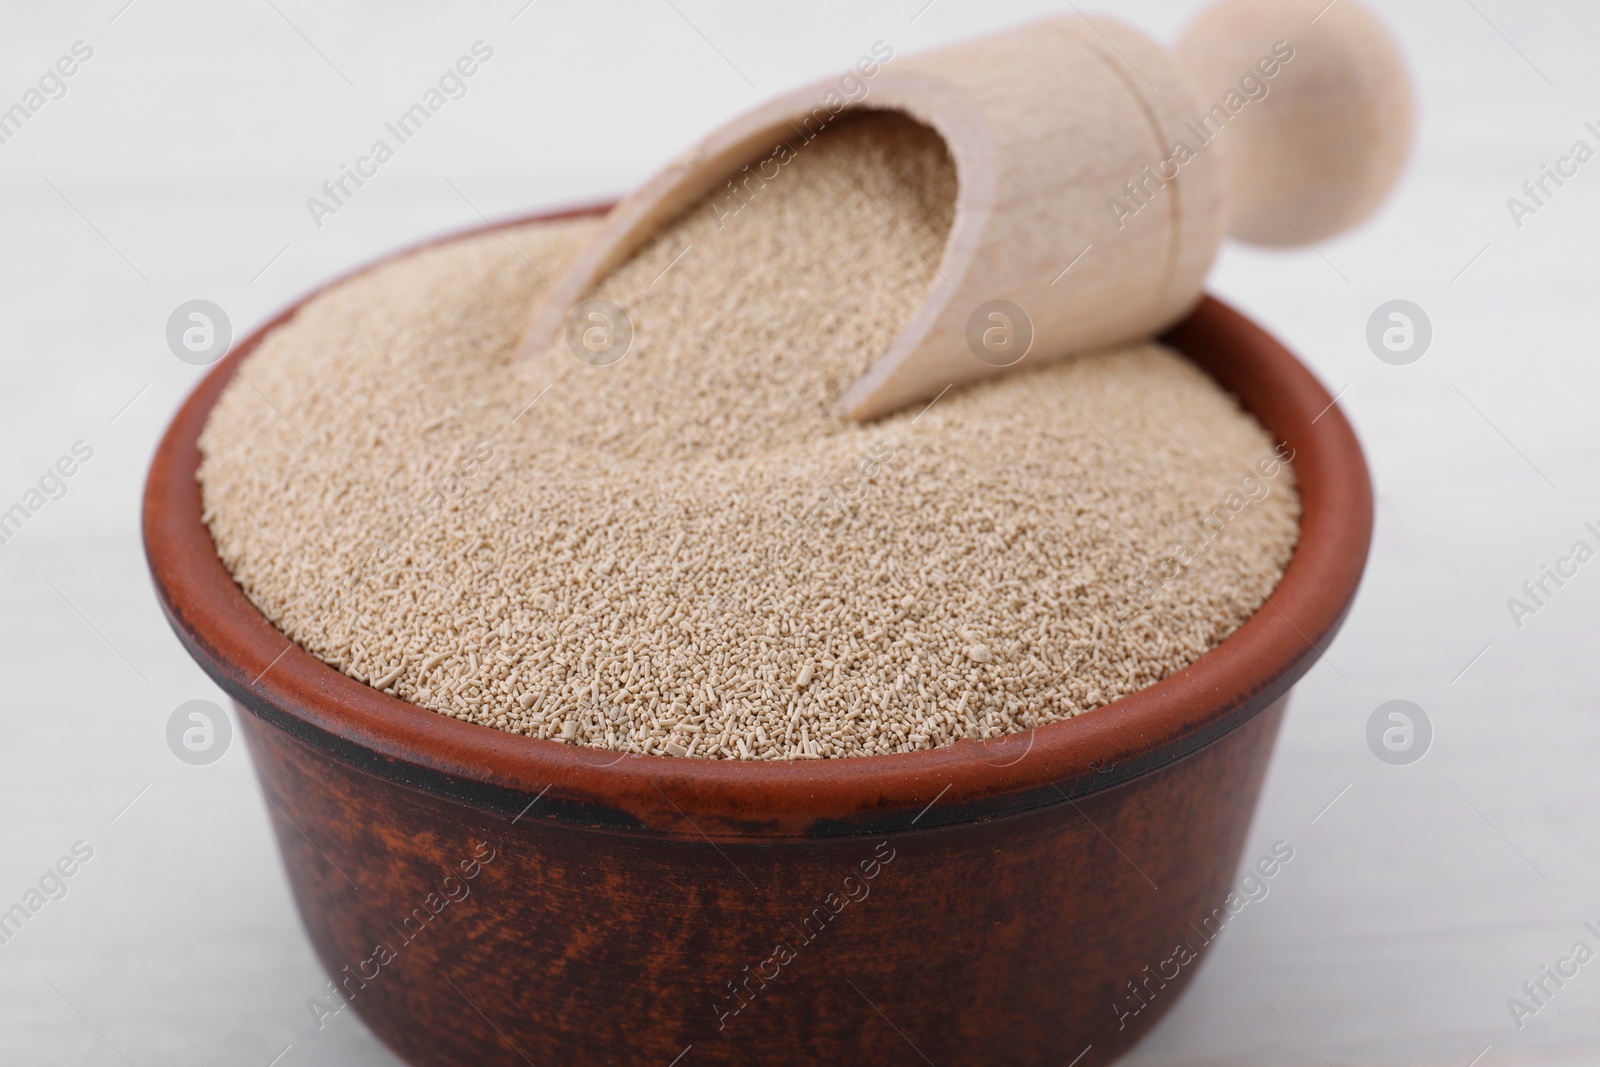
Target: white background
{"type": "Point", "coordinates": [177, 167]}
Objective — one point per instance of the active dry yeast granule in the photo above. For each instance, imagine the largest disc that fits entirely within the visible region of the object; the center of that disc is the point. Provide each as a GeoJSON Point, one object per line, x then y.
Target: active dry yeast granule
{"type": "Point", "coordinates": [688, 551]}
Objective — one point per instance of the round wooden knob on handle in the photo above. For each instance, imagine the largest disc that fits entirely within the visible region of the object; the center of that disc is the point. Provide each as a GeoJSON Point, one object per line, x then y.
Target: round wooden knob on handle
{"type": "Point", "coordinates": [1094, 178]}
{"type": "Point", "coordinates": [1320, 151]}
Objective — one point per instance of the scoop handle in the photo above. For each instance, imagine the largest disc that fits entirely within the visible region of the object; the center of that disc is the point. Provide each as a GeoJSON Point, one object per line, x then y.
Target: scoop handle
{"type": "Point", "coordinates": [1097, 174]}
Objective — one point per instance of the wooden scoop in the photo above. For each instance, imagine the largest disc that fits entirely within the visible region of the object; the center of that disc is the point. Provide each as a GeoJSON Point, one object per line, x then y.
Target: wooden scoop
{"type": "Point", "coordinates": [1097, 174]}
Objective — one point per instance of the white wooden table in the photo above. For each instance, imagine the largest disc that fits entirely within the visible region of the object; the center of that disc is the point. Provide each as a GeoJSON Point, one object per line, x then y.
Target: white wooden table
{"type": "Point", "coordinates": [177, 166]}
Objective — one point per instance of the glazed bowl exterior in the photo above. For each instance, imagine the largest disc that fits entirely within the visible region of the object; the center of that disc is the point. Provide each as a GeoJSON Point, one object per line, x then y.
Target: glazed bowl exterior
{"type": "Point", "coordinates": [479, 897]}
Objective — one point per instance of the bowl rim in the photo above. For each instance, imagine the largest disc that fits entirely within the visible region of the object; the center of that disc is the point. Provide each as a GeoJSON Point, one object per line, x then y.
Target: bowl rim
{"type": "Point", "coordinates": [506, 773]}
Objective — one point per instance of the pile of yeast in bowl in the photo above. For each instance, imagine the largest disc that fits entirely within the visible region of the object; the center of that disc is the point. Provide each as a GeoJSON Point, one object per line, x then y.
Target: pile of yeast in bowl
{"type": "Point", "coordinates": [689, 551]}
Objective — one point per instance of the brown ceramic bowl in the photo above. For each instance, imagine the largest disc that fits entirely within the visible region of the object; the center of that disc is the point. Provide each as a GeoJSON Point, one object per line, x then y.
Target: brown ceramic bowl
{"type": "Point", "coordinates": [486, 898]}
